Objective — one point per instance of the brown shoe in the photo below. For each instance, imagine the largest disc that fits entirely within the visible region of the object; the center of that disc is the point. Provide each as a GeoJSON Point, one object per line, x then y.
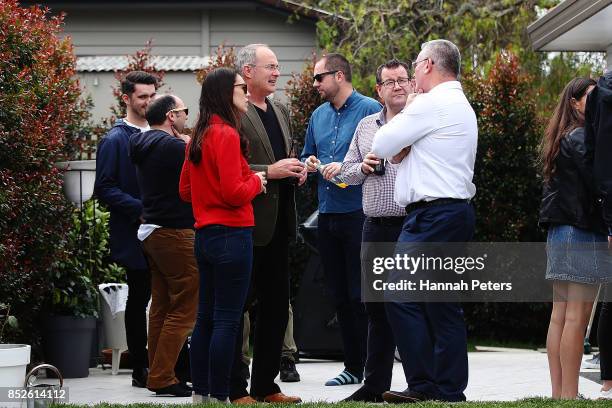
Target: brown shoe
{"type": "Point", "coordinates": [248, 400]}
{"type": "Point", "coordinates": [279, 397]}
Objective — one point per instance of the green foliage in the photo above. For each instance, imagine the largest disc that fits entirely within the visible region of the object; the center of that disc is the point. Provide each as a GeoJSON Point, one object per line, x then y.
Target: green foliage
{"type": "Point", "coordinates": [6, 319]}
{"type": "Point", "coordinates": [40, 114]}
{"type": "Point", "coordinates": [76, 279]}
{"type": "Point", "coordinates": [508, 185]}
{"type": "Point", "coordinates": [303, 99]}
{"type": "Point", "coordinates": [522, 403]}
{"type": "Point", "coordinates": [369, 32]}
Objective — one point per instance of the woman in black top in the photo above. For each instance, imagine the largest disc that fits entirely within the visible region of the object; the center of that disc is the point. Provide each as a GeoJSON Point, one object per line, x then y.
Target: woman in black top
{"type": "Point", "coordinates": [576, 243]}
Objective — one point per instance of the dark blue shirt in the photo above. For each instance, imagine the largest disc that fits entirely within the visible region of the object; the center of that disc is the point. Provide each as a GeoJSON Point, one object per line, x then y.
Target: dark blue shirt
{"type": "Point", "coordinates": [117, 188]}
{"type": "Point", "coordinates": [328, 137]}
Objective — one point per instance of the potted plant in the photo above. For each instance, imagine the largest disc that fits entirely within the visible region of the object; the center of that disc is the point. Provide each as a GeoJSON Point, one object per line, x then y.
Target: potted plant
{"type": "Point", "coordinates": [68, 330]}
{"type": "Point", "coordinates": [13, 357]}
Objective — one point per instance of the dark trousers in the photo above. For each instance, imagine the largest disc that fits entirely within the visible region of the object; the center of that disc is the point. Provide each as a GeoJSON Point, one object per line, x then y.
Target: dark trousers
{"type": "Point", "coordinates": [339, 248]}
{"type": "Point", "coordinates": [224, 256]}
{"type": "Point", "coordinates": [604, 339]}
{"type": "Point", "coordinates": [139, 293]}
{"type": "Point", "coordinates": [380, 344]}
{"type": "Point", "coordinates": [174, 291]}
{"type": "Point", "coordinates": [431, 337]}
{"type": "Point", "coordinates": [270, 289]}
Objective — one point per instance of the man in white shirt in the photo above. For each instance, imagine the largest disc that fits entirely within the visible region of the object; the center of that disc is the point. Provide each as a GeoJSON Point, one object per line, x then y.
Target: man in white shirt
{"type": "Point", "coordinates": [434, 182]}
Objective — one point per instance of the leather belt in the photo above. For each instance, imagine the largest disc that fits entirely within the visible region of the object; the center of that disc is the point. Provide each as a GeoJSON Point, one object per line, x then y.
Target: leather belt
{"type": "Point", "coordinates": [440, 201]}
{"type": "Point", "coordinates": [387, 220]}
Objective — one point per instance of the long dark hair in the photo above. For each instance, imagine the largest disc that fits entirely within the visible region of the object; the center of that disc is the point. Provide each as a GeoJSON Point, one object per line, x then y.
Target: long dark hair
{"type": "Point", "coordinates": [565, 119]}
{"type": "Point", "coordinates": [216, 98]}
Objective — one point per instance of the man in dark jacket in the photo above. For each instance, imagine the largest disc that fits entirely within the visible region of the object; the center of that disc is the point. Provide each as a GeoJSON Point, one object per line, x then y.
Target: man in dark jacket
{"type": "Point", "coordinates": [167, 237]}
{"type": "Point", "coordinates": [598, 137]}
{"type": "Point", "coordinates": [117, 188]}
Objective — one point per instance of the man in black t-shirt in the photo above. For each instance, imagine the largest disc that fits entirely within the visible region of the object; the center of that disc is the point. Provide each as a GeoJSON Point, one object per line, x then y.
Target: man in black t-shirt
{"type": "Point", "coordinates": [167, 239]}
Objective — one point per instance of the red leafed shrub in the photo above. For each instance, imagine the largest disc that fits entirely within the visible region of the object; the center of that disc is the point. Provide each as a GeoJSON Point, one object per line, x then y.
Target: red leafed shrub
{"type": "Point", "coordinates": [41, 113]}
{"type": "Point", "coordinates": [508, 188]}
{"type": "Point", "coordinates": [224, 57]}
{"type": "Point", "coordinates": [506, 176]}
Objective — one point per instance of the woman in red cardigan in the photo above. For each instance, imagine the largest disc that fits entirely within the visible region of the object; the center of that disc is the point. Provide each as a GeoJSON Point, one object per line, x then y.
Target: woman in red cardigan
{"type": "Point", "coordinates": [217, 180]}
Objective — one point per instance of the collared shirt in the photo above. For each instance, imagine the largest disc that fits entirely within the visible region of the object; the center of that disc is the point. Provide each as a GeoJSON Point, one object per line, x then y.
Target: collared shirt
{"type": "Point", "coordinates": [442, 130]}
{"type": "Point", "coordinates": [377, 190]}
{"type": "Point", "coordinates": [328, 137]}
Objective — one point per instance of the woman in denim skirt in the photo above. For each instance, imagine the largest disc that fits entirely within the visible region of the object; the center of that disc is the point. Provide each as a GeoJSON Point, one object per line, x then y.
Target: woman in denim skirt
{"type": "Point", "coordinates": [576, 243]}
{"type": "Point", "coordinates": [218, 181]}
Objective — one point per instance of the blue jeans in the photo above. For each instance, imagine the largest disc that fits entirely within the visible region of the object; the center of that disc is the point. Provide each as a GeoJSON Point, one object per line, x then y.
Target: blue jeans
{"type": "Point", "coordinates": [225, 256]}
{"type": "Point", "coordinates": [340, 247]}
{"type": "Point", "coordinates": [431, 337]}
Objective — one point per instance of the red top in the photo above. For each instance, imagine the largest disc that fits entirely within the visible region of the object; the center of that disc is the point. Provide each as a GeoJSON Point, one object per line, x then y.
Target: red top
{"type": "Point", "coordinates": [222, 185]}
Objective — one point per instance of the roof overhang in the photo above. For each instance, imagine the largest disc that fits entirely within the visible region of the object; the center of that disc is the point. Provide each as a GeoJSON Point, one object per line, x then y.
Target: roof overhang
{"type": "Point", "coordinates": [286, 7]}
{"type": "Point", "coordinates": [574, 25]}
{"type": "Point", "coordinates": [112, 63]}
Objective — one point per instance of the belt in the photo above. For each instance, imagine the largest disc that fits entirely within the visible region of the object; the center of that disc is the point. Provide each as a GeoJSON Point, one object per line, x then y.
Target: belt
{"type": "Point", "coordinates": [387, 220]}
{"type": "Point", "coordinates": [438, 201]}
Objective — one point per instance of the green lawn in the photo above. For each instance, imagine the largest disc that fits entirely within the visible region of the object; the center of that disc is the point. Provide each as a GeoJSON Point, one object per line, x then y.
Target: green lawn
{"type": "Point", "coordinates": [526, 403]}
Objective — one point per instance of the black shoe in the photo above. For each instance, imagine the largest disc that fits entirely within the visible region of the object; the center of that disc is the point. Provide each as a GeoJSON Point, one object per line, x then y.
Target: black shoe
{"type": "Point", "coordinates": [404, 397]}
{"type": "Point", "coordinates": [186, 386]}
{"type": "Point", "coordinates": [139, 377]}
{"type": "Point", "coordinates": [288, 373]}
{"type": "Point", "coordinates": [174, 390]}
{"type": "Point", "coordinates": [245, 373]}
{"type": "Point", "coordinates": [364, 395]}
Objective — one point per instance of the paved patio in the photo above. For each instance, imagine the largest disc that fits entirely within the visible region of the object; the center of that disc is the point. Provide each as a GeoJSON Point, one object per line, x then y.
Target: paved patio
{"type": "Point", "coordinates": [503, 376]}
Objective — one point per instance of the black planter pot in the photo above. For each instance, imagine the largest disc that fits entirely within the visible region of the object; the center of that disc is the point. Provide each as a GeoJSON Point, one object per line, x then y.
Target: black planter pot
{"type": "Point", "coordinates": [67, 343]}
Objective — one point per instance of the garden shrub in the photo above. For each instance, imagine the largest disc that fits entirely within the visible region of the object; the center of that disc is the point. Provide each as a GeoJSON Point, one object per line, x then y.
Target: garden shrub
{"type": "Point", "coordinates": [41, 113]}
{"type": "Point", "coordinates": [302, 100]}
{"type": "Point", "coordinates": [508, 187]}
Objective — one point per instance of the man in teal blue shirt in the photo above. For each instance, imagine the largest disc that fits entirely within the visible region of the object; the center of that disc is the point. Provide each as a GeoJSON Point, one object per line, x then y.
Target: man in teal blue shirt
{"type": "Point", "coordinates": [328, 138]}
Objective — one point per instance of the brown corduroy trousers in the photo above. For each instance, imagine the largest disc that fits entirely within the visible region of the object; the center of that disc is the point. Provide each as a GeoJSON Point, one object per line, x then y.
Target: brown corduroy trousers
{"type": "Point", "coordinates": [174, 300]}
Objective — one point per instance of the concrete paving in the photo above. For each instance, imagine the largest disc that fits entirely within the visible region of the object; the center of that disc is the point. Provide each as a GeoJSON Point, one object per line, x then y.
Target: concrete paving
{"type": "Point", "coordinates": [502, 376]}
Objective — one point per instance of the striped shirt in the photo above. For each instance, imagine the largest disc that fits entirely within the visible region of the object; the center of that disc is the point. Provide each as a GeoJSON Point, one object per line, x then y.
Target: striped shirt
{"type": "Point", "coordinates": [377, 190]}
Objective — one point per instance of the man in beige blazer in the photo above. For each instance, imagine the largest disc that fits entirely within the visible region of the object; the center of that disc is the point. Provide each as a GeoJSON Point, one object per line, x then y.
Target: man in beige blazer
{"type": "Point", "coordinates": [266, 125]}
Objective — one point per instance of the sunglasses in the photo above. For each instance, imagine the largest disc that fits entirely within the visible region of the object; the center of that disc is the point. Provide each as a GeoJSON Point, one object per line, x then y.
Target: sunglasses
{"type": "Point", "coordinates": [186, 110]}
{"type": "Point", "coordinates": [244, 87]}
{"type": "Point", "coordinates": [319, 77]}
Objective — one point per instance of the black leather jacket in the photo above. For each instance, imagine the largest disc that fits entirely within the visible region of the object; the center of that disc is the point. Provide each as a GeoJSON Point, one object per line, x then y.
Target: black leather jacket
{"type": "Point", "coordinates": [598, 128]}
{"type": "Point", "coordinates": [568, 196]}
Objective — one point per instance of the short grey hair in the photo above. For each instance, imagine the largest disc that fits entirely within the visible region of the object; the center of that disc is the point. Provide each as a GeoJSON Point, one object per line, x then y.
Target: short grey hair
{"type": "Point", "coordinates": [246, 55]}
{"type": "Point", "coordinates": [445, 55]}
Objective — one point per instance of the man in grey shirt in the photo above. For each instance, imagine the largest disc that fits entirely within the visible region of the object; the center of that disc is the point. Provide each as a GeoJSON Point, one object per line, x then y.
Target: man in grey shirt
{"type": "Point", "coordinates": [383, 221]}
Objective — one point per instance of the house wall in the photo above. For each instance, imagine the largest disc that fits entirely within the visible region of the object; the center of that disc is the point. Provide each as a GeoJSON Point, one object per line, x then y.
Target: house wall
{"type": "Point", "coordinates": [177, 31]}
{"type": "Point", "coordinates": [98, 85]}
{"type": "Point", "coordinates": [609, 58]}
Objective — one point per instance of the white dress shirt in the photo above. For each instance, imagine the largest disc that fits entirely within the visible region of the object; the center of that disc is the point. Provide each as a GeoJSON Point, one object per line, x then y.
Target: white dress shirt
{"type": "Point", "coordinates": [441, 128]}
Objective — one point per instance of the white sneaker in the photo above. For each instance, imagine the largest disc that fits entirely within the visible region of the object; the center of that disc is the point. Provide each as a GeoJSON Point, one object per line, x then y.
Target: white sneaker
{"type": "Point", "coordinates": [205, 399]}
{"type": "Point", "coordinates": [592, 362]}
{"type": "Point", "coordinates": [605, 394]}
{"type": "Point", "coordinates": [200, 399]}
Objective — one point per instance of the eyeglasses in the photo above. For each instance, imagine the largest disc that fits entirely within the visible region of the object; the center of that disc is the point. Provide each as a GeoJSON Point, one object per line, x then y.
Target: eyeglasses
{"type": "Point", "coordinates": [415, 63]}
{"type": "Point", "coordinates": [186, 110]}
{"type": "Point", "coordinates": [319, 77]}
{"type": "Point", "coordinates": [243, 86]}
{"type": "Point", "coordinates": [390, 83]}
{"type": "Point", "coordinates": [269, 67]}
